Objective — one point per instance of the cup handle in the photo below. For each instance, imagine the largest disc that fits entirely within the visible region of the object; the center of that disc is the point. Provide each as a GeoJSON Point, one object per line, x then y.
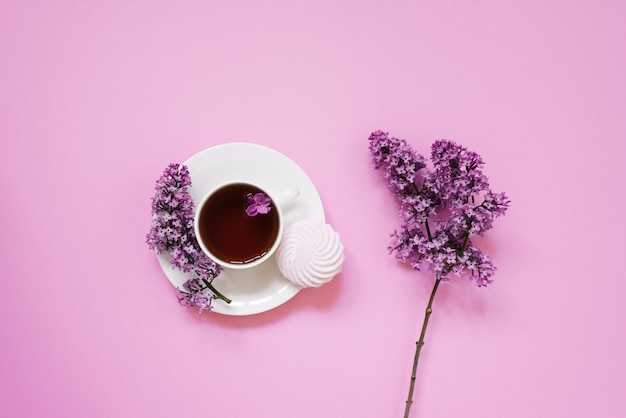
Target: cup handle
{"type": "Point", "coordinates": [287, 196]}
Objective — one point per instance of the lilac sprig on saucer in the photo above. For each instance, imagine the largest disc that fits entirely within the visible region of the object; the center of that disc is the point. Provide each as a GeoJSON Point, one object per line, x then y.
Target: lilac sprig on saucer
{"type": "Point", "coordinates": [441, 209]}
{"type": "Point", "coordinates": [173, 232]}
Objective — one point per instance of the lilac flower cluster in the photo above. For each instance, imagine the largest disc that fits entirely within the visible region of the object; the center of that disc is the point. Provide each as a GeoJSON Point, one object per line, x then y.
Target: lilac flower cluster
{"type": "Point", "coordinates": [173, 231]}
{"type": "Point", "coordinates": [196, 293]}
{"type": "Point", "coordinates": [441, 207]}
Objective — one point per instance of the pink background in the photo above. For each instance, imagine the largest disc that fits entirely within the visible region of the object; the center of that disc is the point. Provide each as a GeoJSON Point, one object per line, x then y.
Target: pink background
{"type": "Point", "coordinates": [96, 98]}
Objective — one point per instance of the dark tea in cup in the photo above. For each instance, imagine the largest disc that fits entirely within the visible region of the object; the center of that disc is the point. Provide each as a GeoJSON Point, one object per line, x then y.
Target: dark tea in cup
{"type": "Point", "coordinates": [238, 224]}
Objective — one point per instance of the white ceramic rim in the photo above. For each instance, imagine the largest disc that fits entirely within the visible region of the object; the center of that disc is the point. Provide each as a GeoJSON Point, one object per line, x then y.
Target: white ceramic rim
{"type": "Point", "coordinates": [241, 266]}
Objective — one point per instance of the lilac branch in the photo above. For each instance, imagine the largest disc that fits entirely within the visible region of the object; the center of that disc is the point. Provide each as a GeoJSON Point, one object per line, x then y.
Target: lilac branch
{"type": "Point", "coordinates": [447, 191]}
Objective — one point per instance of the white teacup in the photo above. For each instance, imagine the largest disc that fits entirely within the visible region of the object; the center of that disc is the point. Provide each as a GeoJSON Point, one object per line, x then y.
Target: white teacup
{"type": "Point", "coordinates": [239, 225]}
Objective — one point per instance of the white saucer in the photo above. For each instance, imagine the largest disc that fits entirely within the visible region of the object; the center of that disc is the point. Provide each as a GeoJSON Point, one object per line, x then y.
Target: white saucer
{"type": "Point", "coordinates": [261, 288]}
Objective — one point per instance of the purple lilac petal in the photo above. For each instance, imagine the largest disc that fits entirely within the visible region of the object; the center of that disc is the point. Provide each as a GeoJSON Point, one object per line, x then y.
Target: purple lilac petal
{"type": "Point", "coordinates": [259, 203]}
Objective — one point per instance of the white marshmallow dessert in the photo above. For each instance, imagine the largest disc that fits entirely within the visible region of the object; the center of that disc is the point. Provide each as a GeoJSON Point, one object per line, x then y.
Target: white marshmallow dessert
{"type": "Point", "coordinates": [310, 253]}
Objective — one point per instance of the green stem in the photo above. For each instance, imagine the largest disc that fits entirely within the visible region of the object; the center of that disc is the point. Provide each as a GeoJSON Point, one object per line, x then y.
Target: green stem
{"type": "Point", "coordinates": [216, 292]}
{"type": "Point", "coordinates": [418, 347]}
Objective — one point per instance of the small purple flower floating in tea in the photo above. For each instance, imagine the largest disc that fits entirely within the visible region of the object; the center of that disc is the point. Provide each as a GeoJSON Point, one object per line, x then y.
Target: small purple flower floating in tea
{"type": "Point", "coordinates": [258, 203]}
